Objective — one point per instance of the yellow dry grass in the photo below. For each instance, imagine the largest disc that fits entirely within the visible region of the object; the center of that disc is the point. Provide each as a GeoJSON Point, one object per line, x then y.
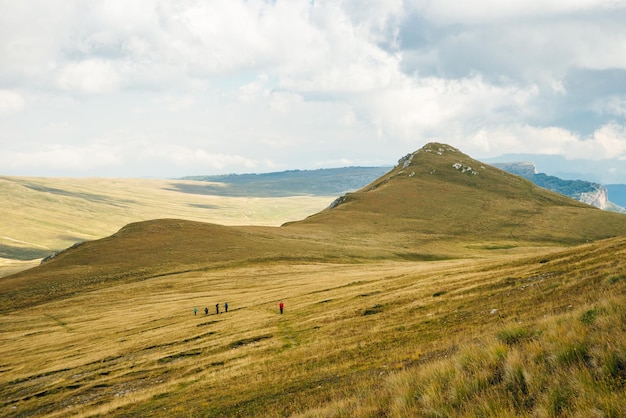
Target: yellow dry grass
{"type": "Point", "coordinates": [43, 215]}
{"type": "Point", "coordinates": [386, 338]}
{"type": "Point", "coordinates": [431, 292]}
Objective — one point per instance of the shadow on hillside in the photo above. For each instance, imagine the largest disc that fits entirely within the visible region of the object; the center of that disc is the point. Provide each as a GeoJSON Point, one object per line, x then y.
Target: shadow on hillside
{"type": "Point", "coordinates": [232, 190]}
{"type": "Point", "coordinates": [321, 182]}
{"type": "Point", "coordinates": [86, 196]}
{"type": "Point", "coordinates": [23, 254]}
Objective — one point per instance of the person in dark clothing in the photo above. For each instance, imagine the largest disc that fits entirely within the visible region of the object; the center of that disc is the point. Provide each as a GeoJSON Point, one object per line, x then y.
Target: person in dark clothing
{"type": "Point", "coordinates": [206, 311]}
{"type": "Point", "coordinates": [217, 308]}
{"type": "Point", "coordinates": [281, 306]}
{"type": "Point", "coordinates": [226, 307]}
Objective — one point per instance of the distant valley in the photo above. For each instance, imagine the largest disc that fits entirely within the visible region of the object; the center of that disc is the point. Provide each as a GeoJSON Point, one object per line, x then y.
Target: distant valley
{"type": "Point", "coordinates": [43, 215]}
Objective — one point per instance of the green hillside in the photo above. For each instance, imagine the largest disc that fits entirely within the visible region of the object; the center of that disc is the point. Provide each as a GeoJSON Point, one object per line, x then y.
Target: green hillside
{"type": "Point", "coordinates": [446, 287]}
{"type": "Point", "coordinates": [436, 204]}
{"type": "Point", "coordinates": [509, 335]}
{"type": "Point", "coordinates": [440, 193]}
{"type": "Point", "coordinates": [43, 215]}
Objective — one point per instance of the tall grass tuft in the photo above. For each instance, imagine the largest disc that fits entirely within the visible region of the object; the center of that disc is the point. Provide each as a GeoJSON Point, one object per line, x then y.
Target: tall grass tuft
{"type": "Point", "coordinates": [560, 366]}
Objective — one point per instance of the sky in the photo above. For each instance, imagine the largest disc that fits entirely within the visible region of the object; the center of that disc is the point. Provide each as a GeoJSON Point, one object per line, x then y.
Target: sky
{"type": "Point", "coordinates": [171, 88]}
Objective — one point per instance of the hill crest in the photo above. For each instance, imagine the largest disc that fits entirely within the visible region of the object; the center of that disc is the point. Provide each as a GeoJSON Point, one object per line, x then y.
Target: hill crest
{"type": "Point", "coordinates": [436, 203]}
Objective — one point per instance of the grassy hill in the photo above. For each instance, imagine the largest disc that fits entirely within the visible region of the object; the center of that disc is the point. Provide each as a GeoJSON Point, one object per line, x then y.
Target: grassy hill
{"type": "Point", "coordinates": [441, 193]}
{"type": "Point", "coordinates": [445, 288]}
{"type": "Point", "coordinates": [44, 215]}
{"type": "Point", "coordinates": [512, 335]}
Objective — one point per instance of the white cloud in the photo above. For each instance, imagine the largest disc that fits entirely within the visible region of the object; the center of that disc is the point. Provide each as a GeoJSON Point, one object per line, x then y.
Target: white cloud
{"type": "Point", "coordinates": [612, 105]}
{"type": "Point", "coordinates": [10, 102]}
{"type": "Point", "coordinates": [70, 159]}
{"type": "Point", "coordinates": [433, 106]}
{"type": "Point", "coordinates": [90, 76]}
{"type": "Point", "coordinates": [220, 161]}
{"type": "Point", "coordinates": [607, 142]}
{"type": "Point", "coordinates": [163, 86]}
{"type": "Point", "coordinates": [610, 140]}
{"type": "Point", "coordinates": [177, 103]}
{"type": "Point", "coordinates": [480, 11]}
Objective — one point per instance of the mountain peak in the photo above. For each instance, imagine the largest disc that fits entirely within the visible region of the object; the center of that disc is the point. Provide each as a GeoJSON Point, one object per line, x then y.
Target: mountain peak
{"type": "Point", "coordinates": [438, 192]}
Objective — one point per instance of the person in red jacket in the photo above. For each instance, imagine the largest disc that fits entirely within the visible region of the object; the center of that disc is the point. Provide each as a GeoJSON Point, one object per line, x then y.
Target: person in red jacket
{"type": "Point", "coordinates": [281, 306]}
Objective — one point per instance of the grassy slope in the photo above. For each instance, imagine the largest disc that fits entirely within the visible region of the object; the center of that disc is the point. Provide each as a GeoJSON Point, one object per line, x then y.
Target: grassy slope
{"type": "Point", "coordinates": [431, 198]}
{"type": "Point", "coordinates": [43, 215]}
{"type": "Point", "coordinates": [427, 210]}
{"type": "Point", "coordinates": [527, 335]}
{"type": "Point", "coordinates": [365, 332]}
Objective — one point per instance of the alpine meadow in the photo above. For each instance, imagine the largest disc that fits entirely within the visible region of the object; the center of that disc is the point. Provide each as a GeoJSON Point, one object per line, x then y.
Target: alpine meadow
{"type": "Point", "coordinates": [445, 288]}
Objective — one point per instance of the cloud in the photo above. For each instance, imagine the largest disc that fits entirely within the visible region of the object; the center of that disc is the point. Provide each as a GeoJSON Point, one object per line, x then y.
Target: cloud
{"type": "Point", "coordinates": [611, 105]}
{"type": "Point", "coordinates": [10, 102]}
{"type": "Point", "coordinates": [208, 160]}
{"type": "Point", "coordinates": [90, 76]}
{"type": "Point", "coordinates": [158, 87]}
{"type": "Point", "coordinates": [434, 107]}
{"type": "Point", "coordinates": [607, 142]}
{"type": "Point", "coordinates": [177, 103]}
{"type": "Point", "coordinates": [481, 11]}
{"type": "Point", "coordinates": [60, 157]}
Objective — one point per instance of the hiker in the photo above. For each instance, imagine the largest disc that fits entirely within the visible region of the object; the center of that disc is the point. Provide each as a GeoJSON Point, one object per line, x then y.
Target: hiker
{"type": "Point", "coordinates": [281, 306]}
{"type": "Point", "coordinates": [206, 310]}
{"type": "Point", "coordinates": [226, 306]}
{"type": "Point", "coordinates": [195, 311]}
{"type": "Point", "coordinates": [217, 309]}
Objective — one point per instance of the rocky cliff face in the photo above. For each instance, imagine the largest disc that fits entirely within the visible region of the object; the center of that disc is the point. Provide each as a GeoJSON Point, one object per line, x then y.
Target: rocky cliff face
{"type": "Point", "coordinates": [593, 194]}
{"type": "Point", "coordinates": [598, 198]}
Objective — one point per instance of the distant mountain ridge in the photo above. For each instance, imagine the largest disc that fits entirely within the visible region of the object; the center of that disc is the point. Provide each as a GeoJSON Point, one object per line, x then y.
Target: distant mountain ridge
{"type": "Point", "coordinates": [591, 193]}
{"type": "Point", "coordinates": [321, 182]}
{"type": "Point", "coordinates": [337, 181]}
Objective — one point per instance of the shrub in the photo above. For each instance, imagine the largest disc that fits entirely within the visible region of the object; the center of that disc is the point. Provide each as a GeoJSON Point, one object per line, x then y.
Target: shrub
{"type": "Point", "coordinates": [588, 317]}
{"type": "Point", "coordinates": [614, 368]}
{"type": "Point", "coordinates": [373, 310]}
{"type": "Point", "coordinates": [573, 353]}
{"type": "Point", "coordinates": [515, 335]}
{"type": "Point", "coordinates": [558, 399]}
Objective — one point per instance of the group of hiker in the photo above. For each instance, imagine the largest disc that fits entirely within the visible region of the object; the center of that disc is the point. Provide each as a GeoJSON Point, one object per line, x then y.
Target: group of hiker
{"type": "Point", "coordinates": [217, 309]}
{"type": "Point", "coordinates": [281, 308]}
